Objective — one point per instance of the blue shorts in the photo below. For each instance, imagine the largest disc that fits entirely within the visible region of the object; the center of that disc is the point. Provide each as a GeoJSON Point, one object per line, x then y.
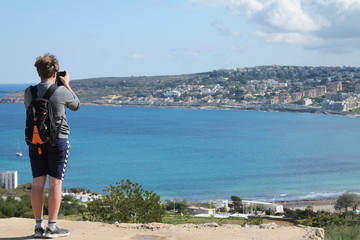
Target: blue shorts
{"type": "Point", "coordinates": [52, 162]}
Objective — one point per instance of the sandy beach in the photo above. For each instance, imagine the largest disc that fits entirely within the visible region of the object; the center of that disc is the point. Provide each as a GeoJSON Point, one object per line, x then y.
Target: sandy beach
{"type": "Point", "coordinates": [326, 204]}
{"type": "Point", "coordinates": [21, 228]}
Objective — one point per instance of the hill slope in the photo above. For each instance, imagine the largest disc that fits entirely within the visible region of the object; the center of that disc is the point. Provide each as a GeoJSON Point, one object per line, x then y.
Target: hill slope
{"type": "Point", "coordinates": [20, 228]}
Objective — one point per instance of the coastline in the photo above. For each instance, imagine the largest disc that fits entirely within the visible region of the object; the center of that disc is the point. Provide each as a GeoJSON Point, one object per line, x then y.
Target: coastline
{"type": "Point", "coordinates": [239, 108]}
{"type": "Point", "coordinates": [18, 98]}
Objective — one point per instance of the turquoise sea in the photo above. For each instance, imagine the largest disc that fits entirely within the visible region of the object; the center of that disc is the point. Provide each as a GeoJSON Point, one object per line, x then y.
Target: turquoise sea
{"type": "Point", "coordinates": [201, 154]}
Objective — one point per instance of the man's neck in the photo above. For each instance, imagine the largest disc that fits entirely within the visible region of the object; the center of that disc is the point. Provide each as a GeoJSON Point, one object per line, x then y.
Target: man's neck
{"type": "Point", "coordinates": [50, 80]}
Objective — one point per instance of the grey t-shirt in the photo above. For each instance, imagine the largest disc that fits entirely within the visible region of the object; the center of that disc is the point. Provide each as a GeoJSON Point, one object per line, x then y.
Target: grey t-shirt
{"type": "Point", "coordinates": [60, 99]}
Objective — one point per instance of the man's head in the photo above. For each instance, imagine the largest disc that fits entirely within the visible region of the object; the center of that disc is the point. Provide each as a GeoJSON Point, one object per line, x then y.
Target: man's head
{"type": "Point", "coordinates": [46, 65]}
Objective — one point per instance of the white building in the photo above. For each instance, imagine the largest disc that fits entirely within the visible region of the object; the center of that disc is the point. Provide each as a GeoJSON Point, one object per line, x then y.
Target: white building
{"type": "Point", "coordinates": [307, 101]}
{"type": "Point", "coordinates": [252, 206]}
{"type": "Point", "coordinates": [201, 210]}
{"type": "Point", "coordinates": [9, 179]}
{"type": "Point", "coordinates": [277, 208]}
{"type": "Point", "coordinates": [220, 203]}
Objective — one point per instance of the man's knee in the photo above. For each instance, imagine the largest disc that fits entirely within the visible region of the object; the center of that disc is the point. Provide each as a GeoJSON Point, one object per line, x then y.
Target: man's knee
{"type": "Point", "coordinates": [55, 183]}
{"type": "Point", "coordinates": [38, 183]}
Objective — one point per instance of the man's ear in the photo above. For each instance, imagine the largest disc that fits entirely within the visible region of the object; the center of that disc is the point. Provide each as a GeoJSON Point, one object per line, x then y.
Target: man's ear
{"type": "Point", "coordinates": [54, 75]}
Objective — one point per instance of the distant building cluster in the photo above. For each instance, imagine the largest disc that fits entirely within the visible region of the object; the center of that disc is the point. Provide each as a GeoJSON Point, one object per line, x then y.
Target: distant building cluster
{"type": "Point", "coordinates": [250, 208]}
{"type": "Point", "coordinates": [340, 102]}
{"type": "Point", "coordinates": [9, 179]}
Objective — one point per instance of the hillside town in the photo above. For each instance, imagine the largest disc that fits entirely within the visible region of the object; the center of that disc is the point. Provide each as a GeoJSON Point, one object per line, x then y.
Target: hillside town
{"type": "Point", "coordinates": [311, 89]}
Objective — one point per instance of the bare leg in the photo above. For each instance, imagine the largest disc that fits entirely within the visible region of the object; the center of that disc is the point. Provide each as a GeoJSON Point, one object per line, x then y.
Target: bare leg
{"type": "Point", "coordinates": [37, 198]}
{"type": "Point", "coordinates": [54, 197]}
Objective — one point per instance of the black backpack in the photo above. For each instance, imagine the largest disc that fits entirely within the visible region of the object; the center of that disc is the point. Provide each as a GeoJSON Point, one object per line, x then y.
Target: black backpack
{"type": "Point", "coordinates": [41, 131]}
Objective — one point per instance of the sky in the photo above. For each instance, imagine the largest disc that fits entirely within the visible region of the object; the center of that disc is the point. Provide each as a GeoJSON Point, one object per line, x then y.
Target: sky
{"type": "Point", "coordinates": [120, 38]}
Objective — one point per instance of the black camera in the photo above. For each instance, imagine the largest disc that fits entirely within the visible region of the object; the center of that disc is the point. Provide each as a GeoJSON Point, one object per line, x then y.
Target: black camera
{"type": "Point", "coordinates": [58, 80]}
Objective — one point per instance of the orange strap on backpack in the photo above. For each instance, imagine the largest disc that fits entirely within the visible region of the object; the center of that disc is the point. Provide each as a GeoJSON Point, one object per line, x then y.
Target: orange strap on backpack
{"type": "Point", "coordinates": [36, 138]}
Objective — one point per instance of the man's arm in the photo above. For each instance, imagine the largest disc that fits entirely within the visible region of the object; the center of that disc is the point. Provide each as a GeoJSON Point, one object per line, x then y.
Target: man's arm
{"type": "Point", "coordinates": [71, 100]}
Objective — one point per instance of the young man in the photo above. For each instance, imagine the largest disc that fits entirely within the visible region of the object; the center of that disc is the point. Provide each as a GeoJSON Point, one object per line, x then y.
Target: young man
{"type": "Point", "coordinates": [52, 161]}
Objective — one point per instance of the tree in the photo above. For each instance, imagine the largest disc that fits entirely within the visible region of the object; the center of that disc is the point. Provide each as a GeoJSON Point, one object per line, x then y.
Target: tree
{"type": "Point", "coordinates": [236, 204]}
{"type": "Point", "coordinates": [126, 202]}
{"type": "Point", "coordinates": [347, 200]}
{"type": "Point", "coordinates": [179, 207]}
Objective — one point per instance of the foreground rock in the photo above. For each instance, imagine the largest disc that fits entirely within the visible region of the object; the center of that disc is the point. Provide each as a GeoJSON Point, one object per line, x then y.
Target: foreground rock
{"type": "Point", "coordinates": [20, 228]}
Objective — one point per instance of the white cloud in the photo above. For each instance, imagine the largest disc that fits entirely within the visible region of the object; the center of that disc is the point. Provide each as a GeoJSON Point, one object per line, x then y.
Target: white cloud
{"type": "Point", "coordinates": [285, 37]}
{"type": "Point", "coordinates": [136, 56]}
{"type": "Point", "coordinates": [249, 7]}
{"type": "Point", "coordinates": [300, 22]}
{"type": "Point", "coordinates": [279, 15]}
{"type": "Point", "coordinates": [289, 16]}
{"type": "Point", "coordinates": [224, 30]}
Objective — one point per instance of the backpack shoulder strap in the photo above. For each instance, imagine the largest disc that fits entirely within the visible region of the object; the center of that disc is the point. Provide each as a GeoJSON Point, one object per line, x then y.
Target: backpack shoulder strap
{"type": "Point", "coordinates": [50, 91]}
{"type": "Point", "coordinates": [33, 90]}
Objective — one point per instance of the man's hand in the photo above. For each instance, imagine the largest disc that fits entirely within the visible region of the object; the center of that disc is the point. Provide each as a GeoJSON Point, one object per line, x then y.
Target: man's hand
{"type": "Point", "coordinates": [66, 80]}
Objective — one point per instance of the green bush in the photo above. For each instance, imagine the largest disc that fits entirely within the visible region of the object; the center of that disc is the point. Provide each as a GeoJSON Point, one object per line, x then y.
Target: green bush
{"type": "Point", "coordinates": [325, 220]}
{"type": "Point", "coordinates": [343, 233]}
{"type": "Point", "coordinates": [126, 202]}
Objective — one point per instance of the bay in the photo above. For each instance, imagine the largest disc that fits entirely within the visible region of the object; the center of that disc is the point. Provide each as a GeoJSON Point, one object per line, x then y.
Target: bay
{"type": "Point", "coordinates": [201, 154]}
{"type": "Point", "coordinates": [9, 88]}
